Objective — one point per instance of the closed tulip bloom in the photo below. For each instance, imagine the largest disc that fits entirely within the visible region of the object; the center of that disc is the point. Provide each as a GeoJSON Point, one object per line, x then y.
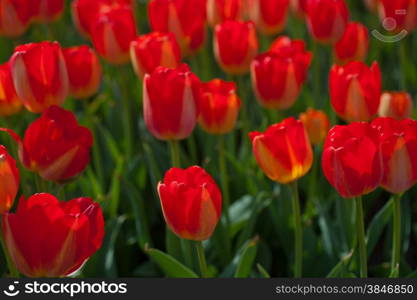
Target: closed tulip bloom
{"type": "Point", "coordinates": [397, 105]}
{"type": "Point", "coordinates": [152, 50]}
{"type": "Point", "coordinates": [112, 34]}
{"type": "Point", "coordinates": [399, 153]}
{"type": "Point", "coordinates": [235, 46]}
{"type": "Point", "coordinates": [270, 16]}
{"type": "Point", "coordinates": [392, 18]}
{"type": "Point", "coordinates": [15, 16]}
{"type": "Point", "coordinates": [48, 238]}
{"type": "Point", "coordinates": [219, 11]}
{"type": "Point", "coordinates": [55, 146]}
{"type": "Point", "coordinates": [327, 20]}
{"type": "Point", "coordinates": [46, 10]}
{"type": "Point", "coordinates": [317, 125]}
{"type": "Point", "coordinates": [9, 180]}
{"type": "Point", "coordinates": [278, 75]}
{"type": "Point", "coordinates": [186, 19]}
{"type": "Point", "coordinates": [354, 44]}
{"type": "Point", "coordinates": [191, 202]}
{"type": "Point", "coordinates": [283, 151]}
{"type": "Point", "coordinates": [40, 75]}
{"type": "Point", "coordinates": [10, 103]}
{"type": "Point", "coordinates": [355, 91]}
{"type": "Point", "coordinates": [299, 7]}
{"type": "Point", "coordinates": [171, 100]}
{"type": "Point", "coordinates": [84, 71]}
{"type": "Point", "coordinates": [219, 106]}
{"type": "Point", "coordinates": [352, 159]}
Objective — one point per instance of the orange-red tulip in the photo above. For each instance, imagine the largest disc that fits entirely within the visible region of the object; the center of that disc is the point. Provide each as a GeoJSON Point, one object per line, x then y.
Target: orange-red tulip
{"type": "Point", "coordinates": [112, 34]}
{"type": "Point", "coordinates": [354, 44]}
{"type": "Point", "coordinates": [171, 100]}
{"type": "Point", "coordinates": [191, 202]}
{"type": "Point", "coordinates": [219, 11]}
{"type": "Point", "coordinates": [15, 16]}
{"type": "Point", "coordinates": [84, 71]}
{"type": "Point", "coordinates": [235, 46]}
{"type": "Point", "coordinates": [9, 180]}
{"type": "Point", "coordinates": [397, 105]}
{"type": "Point", "coordinates": [40, 75]}
{"type": "Point", "coordinates": [283, 151]}
{"type": "Point", "coordinates": [317, 125]}
{"type": "Point", "coordinates": [398, 15]}
{"type": "Point", "coordinates": [399, 153]}
{"type": "Point", "coordinates": [327, 19]}
{"type": "Point", "coordinates": [352, 159]}
{"type": "Point", "coordinates": [355, 91]}
{"type": "Point", "coordinates": [278, 75]}
{"type": "Point", "coordinates": [185, 18]}
{"type": "Point", "coordinates": [46, 10]}
{"type": "Point", "coordinates": [269, 16]}
{"type": "Point", "coordinates": [48, 238]}
{"type": "Point", "coordinates": [152, 50]}
{"type": "Point", "coordinates": [9, 101]}
{"type": "Point", "coordinates": [219, 106]}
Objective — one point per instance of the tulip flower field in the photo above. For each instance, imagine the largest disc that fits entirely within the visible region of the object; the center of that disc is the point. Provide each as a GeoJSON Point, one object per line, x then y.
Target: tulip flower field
{"type": "Point", "coordinates": [208, 138]}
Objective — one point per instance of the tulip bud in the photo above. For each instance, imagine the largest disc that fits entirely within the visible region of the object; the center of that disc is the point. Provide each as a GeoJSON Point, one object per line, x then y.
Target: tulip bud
{"type": "Point", "coordinates": [152, 50]}
{"type": "Point", "coordinates": [112, 33]}
{"type": "Point", "coordinates": [354, 44]}
{"type": "Point", "coordinates": [269, 16]}
{"type": "Point", "coordinates": [278, 75]}
{"type": "Point", "coordinates": [283, 151]}
{"type": "Point", "coordinates": [317, 125]}
{"type": "Point", "coordinates": [48, 238]}
{"type": "Point", "coordinates": [191, 202]}
{"type": "Point", "coordinates": [84, 71]}
{"type": "Point", "coordinates": [186, 19]}
{"type": "Point", "coordinates": [15, 16]}
{"type": "Point", "coordinates": [355, 91]}
{"type": "Point", "coordinates": [40, 75]}
{"type": "Point", "coordinates": [398, 15]}
{"type": "Point", "coordinates": [327, 20]}
{"type": "Point", "coordinates": [299, 7]}
{"type": "Point", "coordinates": [9, 180]}
{"type": "Point", "coordinates": [219, 11]}
{"type": "Point", "coordinates": [10, 103]}
{"type": "Point", "coordinates": [55, 146]}
{"type": "Point", "coordinates": [352, 159]}
{"type": "Point", "coordinates": [171, 100]}
{"type": "Point", "coordinates": [46, 10]}
{"type": "Point", "coordinates": [219, 106]}
{"type": "Point", "coordinates": [235, 46]}
{"type": "Point", "coordinates": [399, 153]}
{"type": "Point", "coordinates": [397, 105]}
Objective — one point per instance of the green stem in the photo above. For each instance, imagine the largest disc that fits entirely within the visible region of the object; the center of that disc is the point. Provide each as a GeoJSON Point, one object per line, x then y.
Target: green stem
{"type": "Point", "coordinates": [175, 153]}
{"type": "Point", "coordinates": [126, 114]}
{"type": "Point", "coordinates": [396, 240]}
{"type": "Point", "coordinates": [224, 178]}
{"type": "Point", "coordinates": [360, 227]}
{"type": "Point", "coordinates": [201, 258]}
{"type": "Point", "coordinates": [404, 64]}
{"type": "Point", "coordinates": [12, 269]}
{"type": "Point", "coordinates": [298, 239]}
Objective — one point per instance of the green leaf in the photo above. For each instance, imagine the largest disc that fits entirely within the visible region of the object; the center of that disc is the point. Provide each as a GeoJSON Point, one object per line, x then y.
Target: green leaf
{"type": "Point", "coordinates": [169, 265]}
{"type": "Point", "coordinates": [341, 269]}
{"type": "Point", "coordinates": [262, 271]}
{"type": "Point", "coordinates": [377, 226]}
{"type": "Point", "coordinates": [247, 259]}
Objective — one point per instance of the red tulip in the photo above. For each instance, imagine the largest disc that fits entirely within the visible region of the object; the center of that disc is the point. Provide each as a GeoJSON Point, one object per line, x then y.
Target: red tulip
{"type": "Point", "coordinates": [317, 125]}
{"type": "Point", "coordinates": [55, 146]}
{"type": "Point", "coordinates": [9, 180]}
{"type": "Point", "coordinates": [355, 91]}
{"type": "Point", "coordinates": [399, 153]}
{"type": "Point", "coordinates": [84, 71]}
{"type": "Point", "coordinates": [219, 11]}
{"type": "Point", "coordinates": [185, 18]}
{"type": "Point", "coordinates": [327, 19]}
{"type": "Point", "coordinates": [112, 34]}
{"type": "Point", "coordinates": [171, 102]}
{"type": "Point", "coordinates": [397, 105]}
{"type": "Point", "coordinates": [10, 103]}
{"type": "Point", "coordinates": [270, 16]}
{"type": "Point", "coordinates": [354, 44]}
{"type": "Point", "coordinates": [299, 7]}
{"type": "Point", "coordinates": [398, 15]}
{"type": "Point", "coordinates": [352, 159]}
{"type": "Point", "coordinates": [15, 16]}
{"type": "Point", "coordinates": [48, 238]}
{"type": "Point", "coordinates": [235, 46]}
{"type": "Point", "coordinates": [372, 4]}
{"type": "Point", "coordinates": [278, 75]}
{"type": "Point", "coordinates": [152, 50]}
{"type": "Point", "coordinates": [40, 75]}
{"type": "Point", "coordinates": [219, 106]}
{"type": "Point", "coordinates": [283, 151]}
{"type": "Point", "coordinates": [46, 10]}
{"type": "Point", "coordinates": [191, 202]}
